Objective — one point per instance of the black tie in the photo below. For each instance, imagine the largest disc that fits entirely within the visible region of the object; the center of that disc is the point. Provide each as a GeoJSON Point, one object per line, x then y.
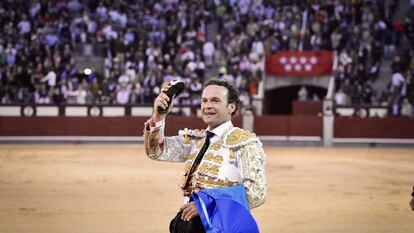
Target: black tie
{"type": "Point", "coordinates": [199, 157]}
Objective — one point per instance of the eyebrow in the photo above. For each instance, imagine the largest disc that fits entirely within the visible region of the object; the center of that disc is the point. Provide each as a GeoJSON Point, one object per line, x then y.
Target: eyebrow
{"type": "Point", "coordinates": [212, 98]}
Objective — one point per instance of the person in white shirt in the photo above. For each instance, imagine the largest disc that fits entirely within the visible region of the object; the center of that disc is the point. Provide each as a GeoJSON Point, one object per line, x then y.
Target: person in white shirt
{"type": "Point", "coordinates": [397, 81]}
{"type": "Point", "coordinates": [208, 52]}
{"type": "Point", "coordinates": [50, 78]}
{"type": "Point", "coordinates": [24, 25]}
{"type": "Point", "coordinates": [122, 96]}
{"type": "Point", "coordinates": [81, 98]}
{"type": "Point", "coordinates": [341, 98]}
{"type": "Point", "coordinates": [303, 94]}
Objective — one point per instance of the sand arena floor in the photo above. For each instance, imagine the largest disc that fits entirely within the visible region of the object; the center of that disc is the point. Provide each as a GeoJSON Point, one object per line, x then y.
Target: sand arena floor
{"type": "Point", "coordinates": [116, 188]}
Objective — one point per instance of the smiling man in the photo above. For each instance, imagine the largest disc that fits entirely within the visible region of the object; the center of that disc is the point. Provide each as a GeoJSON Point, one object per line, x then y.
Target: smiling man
{"type": "Point", "coordinates": [219, 156]}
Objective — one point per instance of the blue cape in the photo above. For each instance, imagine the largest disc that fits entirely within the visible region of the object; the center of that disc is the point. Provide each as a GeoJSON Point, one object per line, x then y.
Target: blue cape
{"type": "Point", "coordinates": [225, 210]}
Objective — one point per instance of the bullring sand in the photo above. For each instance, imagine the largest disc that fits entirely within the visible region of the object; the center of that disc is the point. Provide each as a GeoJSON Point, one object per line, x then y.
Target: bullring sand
{"type": "Point", "coordinates": [101, 188]}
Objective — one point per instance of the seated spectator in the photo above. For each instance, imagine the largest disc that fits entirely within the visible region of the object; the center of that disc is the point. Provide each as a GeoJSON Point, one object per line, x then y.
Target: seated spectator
{"type": "Point", "coordinates": [122, 96]}
{"type": "Point", "coordinates": [341, 98]}
{"type": "Point", "coordinates": [406, 108]}
{"type": "Point", "coordinates": [303, 94]}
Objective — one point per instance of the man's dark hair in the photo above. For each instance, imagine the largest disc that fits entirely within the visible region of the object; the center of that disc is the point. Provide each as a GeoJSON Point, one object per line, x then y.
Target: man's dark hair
{"type": "Point", "coordinates": [232, 93]}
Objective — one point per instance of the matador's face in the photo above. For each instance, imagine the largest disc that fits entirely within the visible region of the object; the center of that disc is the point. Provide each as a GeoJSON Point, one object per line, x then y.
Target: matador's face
{"type": "Point", "coordinates": [215, 109]}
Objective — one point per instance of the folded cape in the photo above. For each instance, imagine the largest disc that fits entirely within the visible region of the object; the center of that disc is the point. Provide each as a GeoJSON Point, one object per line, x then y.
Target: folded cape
{"type": "Point", "coordinates": [225, 210]}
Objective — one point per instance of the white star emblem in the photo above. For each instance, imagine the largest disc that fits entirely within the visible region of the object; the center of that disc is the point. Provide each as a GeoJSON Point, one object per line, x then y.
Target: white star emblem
{"type": "Point", "coordinates": [283, 60]}
{"type": "Point", "coordinates": [288, 67]}
{"type": "Point", "coordinates": [303, 60]}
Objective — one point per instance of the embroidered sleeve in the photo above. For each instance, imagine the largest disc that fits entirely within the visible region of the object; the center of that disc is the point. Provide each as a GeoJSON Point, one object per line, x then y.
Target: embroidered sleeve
{"type": "Point", "coordinates": [252, 169]}
{"type": "Point", "coordinates": [159, 147]}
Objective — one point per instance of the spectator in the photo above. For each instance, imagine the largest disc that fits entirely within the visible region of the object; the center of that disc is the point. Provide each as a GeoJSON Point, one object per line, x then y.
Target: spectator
{"type": "Point", "coordinates": [208, 53]}
{"type": "Point", "coordinates": [57, 97]}
{"type": "Point", "coordinates": [122, 96]}
{"type": "Point", "coordinates": [397, 81]}
{"type": "Point", "coordinates": [50, 79]}
{"type": "Point", "coordinates": [72, 95]}
{"type": "Point", "coordinates": [303, 94]}
{"type": "Point", "coordinates": [406, 108]}
{"type": "Point", "coordinates": [341, 98]}
{"type": "Point", "coordinates": [82, 93]}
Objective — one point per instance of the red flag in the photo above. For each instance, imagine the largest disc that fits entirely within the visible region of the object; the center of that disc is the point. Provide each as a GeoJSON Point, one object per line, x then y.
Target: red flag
{"type": "Point", "coordinates": [299, 64]}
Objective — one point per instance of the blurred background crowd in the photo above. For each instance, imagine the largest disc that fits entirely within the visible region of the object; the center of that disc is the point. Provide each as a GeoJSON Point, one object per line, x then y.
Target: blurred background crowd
{"type": "Point", "coordinates": [146, 43]}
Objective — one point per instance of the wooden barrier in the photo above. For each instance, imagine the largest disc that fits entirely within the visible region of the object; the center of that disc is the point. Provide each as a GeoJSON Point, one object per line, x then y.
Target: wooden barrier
{"type": "Point", "coordinates": [307, 108]}
{"type": "Point", "coordinates": [92, 126]}
{"type": "Point", "coordinates": [71, 126]}
{"type": "Point", "coordinates": [270, 125]}
{"type": "Point", "coordinates": [354, 127]}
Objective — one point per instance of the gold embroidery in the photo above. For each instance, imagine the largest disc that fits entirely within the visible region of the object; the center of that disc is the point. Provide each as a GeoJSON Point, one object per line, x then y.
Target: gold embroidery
{"type": "Point", "coordinates": [187, 168]}
{"type": "Point", "coordinates": [192, 156]}
{"type": "Point", "coordinates": [189, 134]}
{"type": "Point", "coordinates": [203, 182]}
{"type": "Point", "coordinates": [238, 136]}
{"type": "Point", "coordinates": [184, 176]}
{"type": "Point", "coordinates": [215, 146]}
{"type": "Point", "coordinates": [209, 169]}
{"type": "Point", "coordinates": [232, 154]}
{"type": "Point", "coordinates": [213, 158]}
{"type": "Point", "coordinates": [200, 143]}
{"type": "Point", "coordinates": [186, 139]}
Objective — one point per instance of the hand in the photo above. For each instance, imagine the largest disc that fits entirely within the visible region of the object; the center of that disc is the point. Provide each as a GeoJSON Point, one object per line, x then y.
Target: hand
{"type": "Point", "coordinates": [162, 102]}
{"type": "Point", "coordinates": [189, 211]}
{"type": "Point", "coordinates": [412, 203]}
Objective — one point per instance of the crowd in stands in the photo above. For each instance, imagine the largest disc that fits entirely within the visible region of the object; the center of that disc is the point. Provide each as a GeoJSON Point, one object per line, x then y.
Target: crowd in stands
{"type": "Point", "coordinates": [367, 37]}
{"type": "Point", "coordinates": [160, 41]}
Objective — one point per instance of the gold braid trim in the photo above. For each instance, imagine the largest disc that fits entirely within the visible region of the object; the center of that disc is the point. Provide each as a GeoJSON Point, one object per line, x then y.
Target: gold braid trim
{"type": "Point", "coordinates": [189, 134]}
{"type": "Point", "coordinates": [239, 137]}
{"type": "Point", "coordinates": [192, 156]}
{"type": "Point", "coordinates": [206, 181]}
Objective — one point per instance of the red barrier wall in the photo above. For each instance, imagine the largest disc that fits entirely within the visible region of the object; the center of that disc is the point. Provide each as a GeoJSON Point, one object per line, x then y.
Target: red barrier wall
{"type": "Point", "coordinates": [271, 125]}
{"type": "Point", "coordinates": [71, 126]}
{"type": "Point", "coordinates": [92, 126]}
{"type": "Point", "coordinates": [305, 126]}
{"type": "Point", "coordinates": [307, 107]}
{"type": "Point", "coordinates": [353, 127]}
{"type": "Point", "coordinates": [288, 125]}
{"type": "Point", "coordinates": [301, 125]}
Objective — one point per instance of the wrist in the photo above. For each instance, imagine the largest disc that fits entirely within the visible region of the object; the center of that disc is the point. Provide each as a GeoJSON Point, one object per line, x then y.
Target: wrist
{"type": "Point", "coordinates": [157, 118]}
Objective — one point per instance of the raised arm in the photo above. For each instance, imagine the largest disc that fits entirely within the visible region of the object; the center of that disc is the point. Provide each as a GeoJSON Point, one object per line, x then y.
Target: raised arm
{"type": "Point", "coordinates": [157, 146]}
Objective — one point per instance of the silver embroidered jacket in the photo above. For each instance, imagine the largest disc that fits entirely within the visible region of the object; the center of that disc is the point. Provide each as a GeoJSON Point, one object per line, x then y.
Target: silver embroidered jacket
{"type": "Point", "coordinates": [235, 156]}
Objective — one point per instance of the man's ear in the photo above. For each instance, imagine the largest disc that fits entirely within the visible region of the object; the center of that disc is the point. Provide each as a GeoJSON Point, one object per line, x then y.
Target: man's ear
{"type": "Point", "coordinates": [231, 107]}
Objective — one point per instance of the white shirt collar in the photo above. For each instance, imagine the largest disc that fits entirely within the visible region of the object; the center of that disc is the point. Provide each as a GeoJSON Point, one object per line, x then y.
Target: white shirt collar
{"type": "Point", "coordinates": [221, 129]}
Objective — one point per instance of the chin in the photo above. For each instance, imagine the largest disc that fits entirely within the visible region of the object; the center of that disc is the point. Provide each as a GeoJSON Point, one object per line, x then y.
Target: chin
{"type": "Point", "coordinates": [206, 121]}
{"type": "Point", "coordinates": [209, 123]}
